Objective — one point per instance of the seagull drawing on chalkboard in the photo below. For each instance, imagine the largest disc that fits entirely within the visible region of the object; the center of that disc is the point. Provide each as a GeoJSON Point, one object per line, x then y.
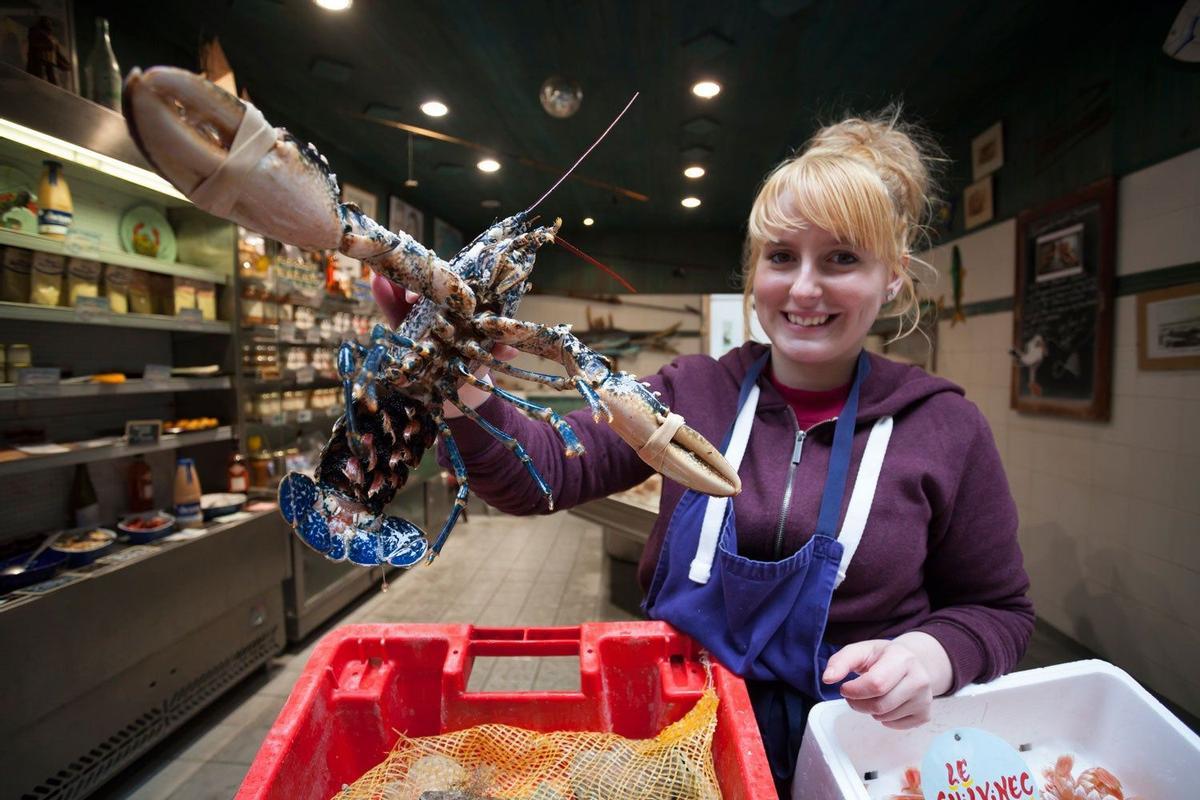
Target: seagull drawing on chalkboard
{"type": "Point", "coordinates": [1035, 352]}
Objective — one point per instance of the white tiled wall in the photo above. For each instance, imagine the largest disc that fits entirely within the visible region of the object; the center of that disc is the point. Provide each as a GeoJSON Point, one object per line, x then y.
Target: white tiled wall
{"type": "Point", "coordinates": [1110, 512]}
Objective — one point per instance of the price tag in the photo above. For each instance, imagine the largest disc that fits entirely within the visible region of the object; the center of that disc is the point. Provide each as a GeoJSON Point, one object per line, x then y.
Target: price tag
{"type": "Point", "coordinates": [304, 416]}
{"type": "Point", "coordinates": [305, 375]}
{"type": "Point", "coordinates": [156, 373]}
{"type": "Point", "coordinates": [278, 419]}
{"type": "Point", "coordinates": [192, 318]}
{"type": "Point", "coordinates": [92, 307]}
{"type": "Point", "coordinates": [38, 376]}
{"type": "Point", "coordinates": [143, 431]}
{"type": "Point", "coordinates": [312, 336]}
{"type": "Point", "coordinates": [968, 763]}
{"type": "Point", "coordinates": [82, 243]}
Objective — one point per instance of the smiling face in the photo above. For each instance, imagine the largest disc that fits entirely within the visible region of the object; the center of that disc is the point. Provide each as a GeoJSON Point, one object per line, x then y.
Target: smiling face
{"type": "Point", "coordinates": [816, 298]}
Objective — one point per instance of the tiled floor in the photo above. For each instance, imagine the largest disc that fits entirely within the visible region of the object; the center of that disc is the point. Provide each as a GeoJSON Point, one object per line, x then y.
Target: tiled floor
{"type": "Point", "coordinates": [496, 570]}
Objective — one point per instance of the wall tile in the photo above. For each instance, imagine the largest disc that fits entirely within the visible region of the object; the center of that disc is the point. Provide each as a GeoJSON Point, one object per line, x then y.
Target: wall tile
{"type": "Point", "coordinates": [1112, 468]}
{"type": "Point", "coordinates": [1153, 475]}
{"type": "Point", "coordinates": [1156, 423]}
{"type": "Point", "coordinates": [1165, 187]}
{"type": "Point", "coordinates": [1125, 371]}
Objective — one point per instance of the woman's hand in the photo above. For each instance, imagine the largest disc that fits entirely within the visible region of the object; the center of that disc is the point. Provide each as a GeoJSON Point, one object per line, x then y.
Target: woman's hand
{"type": "Point", "coordinates": [897, 679]}
{"type": "Point", "coordinates": [395, 302]}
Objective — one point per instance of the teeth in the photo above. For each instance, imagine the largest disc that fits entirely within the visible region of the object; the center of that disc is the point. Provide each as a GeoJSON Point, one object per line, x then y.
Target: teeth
{"type": "Point", "coordinates": [796, 319]}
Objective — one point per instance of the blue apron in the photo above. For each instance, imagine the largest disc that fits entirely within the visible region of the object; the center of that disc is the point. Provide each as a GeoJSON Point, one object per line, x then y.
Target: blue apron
{"type": "Point", "coordinates": [765, 620]}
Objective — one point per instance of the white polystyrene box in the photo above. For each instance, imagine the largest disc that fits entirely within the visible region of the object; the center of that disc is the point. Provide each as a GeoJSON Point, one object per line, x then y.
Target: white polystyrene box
{"type": "Point", "coordinates": [1090, 709]}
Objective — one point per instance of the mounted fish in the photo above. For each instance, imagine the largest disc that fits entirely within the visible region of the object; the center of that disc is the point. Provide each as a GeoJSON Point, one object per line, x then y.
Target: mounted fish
{"type": "Point", "coordinates": [223, 155]}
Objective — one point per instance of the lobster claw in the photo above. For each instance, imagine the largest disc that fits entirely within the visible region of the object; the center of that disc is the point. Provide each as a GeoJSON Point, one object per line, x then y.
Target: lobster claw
{"type": "Point", "coordinates": [319, 519]}
{"type": "Point", "coordinates": [663, 441]}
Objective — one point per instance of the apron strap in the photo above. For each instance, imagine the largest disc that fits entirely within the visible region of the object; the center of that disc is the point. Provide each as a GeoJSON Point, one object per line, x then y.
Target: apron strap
{"type": "Point", "coordinates": [714, 509]}
{"type": "Point", "coordinates": [863, 494]}
{"type": "Point", "coordinates": [654, 451]}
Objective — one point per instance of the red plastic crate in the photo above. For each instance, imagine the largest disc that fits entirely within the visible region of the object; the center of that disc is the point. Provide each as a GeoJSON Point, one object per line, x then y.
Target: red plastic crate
{"type": "Point", "coordinates": [365, 682]}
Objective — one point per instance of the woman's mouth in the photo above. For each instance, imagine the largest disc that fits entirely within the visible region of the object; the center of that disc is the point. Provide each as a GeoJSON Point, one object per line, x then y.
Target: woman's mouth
{"type": "Point", "coordinates": [810, 320]}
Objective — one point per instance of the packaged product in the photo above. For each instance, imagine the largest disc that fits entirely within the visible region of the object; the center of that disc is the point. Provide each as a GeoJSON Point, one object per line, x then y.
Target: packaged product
{"type": "Point", "coordinates": [182, 295]}
{"type": "Point", "coordinates": [140, 299]}
{"type": "Point", "coordinates": [46, 286]}
{"type": "Point", "coordinates": [116, 287]}
{"type": "Point", "coordinates": [206, 299]}
{"type": "Point", "coordinates": [17, 263]}
{"type": "Point", "coordinates": [83, 279]}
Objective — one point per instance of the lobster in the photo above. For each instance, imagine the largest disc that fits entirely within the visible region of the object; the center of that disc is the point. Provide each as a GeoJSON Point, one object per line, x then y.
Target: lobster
{"type": "Point", "coordinates": [222, 154]}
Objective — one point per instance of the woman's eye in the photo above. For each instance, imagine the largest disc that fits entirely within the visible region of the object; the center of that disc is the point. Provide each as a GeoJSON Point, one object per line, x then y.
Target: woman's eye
{"type": "Point", "coordinates": [844, 258]}
{"type": "Point", "coordinates": [779, 257]}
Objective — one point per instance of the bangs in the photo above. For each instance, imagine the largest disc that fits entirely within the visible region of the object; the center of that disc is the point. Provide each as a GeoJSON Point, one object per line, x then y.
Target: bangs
{"type": "Point", "coordinates": [840, 195]}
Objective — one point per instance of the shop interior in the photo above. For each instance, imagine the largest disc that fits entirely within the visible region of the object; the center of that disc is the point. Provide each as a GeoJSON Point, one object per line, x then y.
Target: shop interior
{"type": "Point", "coordinates": [165, 368]}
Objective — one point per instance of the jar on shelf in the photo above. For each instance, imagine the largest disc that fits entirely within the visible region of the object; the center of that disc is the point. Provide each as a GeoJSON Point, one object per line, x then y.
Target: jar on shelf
{"type": "Point", "coordinates": [253, 312]}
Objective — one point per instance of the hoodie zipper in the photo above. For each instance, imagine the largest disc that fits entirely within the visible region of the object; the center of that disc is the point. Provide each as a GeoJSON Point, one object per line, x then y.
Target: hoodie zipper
{"type": "Point", "coordinates": [797, 450]}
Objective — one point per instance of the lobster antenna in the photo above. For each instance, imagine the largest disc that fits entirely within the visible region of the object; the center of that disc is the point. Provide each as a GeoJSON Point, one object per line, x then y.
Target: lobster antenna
{"type": "Point", "coordinates": [585, 155]}
{"type": "Point", "coordinates": [575, 250]}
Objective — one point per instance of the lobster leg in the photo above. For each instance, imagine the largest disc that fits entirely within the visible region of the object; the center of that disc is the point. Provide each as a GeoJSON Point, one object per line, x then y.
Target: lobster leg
{"type": "Point", "coordinates": [460, 475]}
{"type": "Point", "coordinates": [633, 410]}
{"type": "Point", "coordinates": [573, 446]}
{"type": "Point", "coordinates": [557, 382]}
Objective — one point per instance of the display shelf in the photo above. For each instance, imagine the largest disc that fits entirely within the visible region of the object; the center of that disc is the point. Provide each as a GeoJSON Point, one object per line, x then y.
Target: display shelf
{"type": "Point", "coordinates": [55, 314]}
{"type": "Point", "coordinates": [33, 241]}
{"type": "Point", "coordinates": [13, 392]}
{"type": "Point", "coordinates": [85, 455]}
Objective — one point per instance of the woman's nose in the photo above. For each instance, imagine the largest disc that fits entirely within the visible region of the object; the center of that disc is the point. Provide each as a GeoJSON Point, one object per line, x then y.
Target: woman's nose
{"type": "Point", "coordinates": [807, 285]}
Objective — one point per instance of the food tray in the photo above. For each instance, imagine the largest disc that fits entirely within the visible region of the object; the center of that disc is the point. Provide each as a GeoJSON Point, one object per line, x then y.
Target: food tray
{"type": "Point", "coordinates": [1090, 709]}
{"type": "Point", "coordinates": [365, 683]}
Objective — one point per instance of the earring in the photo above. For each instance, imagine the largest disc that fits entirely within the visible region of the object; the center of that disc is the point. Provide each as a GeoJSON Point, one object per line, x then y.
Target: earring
{"type": "Point", "coordinates": [891, 295]}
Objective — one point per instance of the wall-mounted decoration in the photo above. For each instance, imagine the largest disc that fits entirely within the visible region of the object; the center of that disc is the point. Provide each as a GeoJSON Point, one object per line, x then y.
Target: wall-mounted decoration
{"type": "Point", "coordinates": [1063, 305]}
{"type": "Point", "coordinates": [1169, 328]}
{"type": "Point", "coordinates": [447, 239]}
{"type": "Point", "coordinates": [361, 198]}
{"type": "Point", "coordinates": [987, 152]}
{"type": "Point", "coordinates": [977, 203]}
{"type": "Point", "coordinates": [39, 37]}
{"type": "Point", "coordinates": [403, 218]}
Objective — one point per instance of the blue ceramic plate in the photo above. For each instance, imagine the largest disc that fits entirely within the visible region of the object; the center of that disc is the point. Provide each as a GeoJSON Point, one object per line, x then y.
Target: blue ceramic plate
{"type": "Point", "coordinates": [41, 569]}
{"type": "Point", "coordinates": [144, 535]}
{"type": "Point", "coordinates": [85, 545]}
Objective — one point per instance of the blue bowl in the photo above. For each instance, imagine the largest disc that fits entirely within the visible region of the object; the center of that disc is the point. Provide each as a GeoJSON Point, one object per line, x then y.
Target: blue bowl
{"type": "Point", "coordinates": [42, 568]}
{"type": "Point", "coordinates": [78, 558]}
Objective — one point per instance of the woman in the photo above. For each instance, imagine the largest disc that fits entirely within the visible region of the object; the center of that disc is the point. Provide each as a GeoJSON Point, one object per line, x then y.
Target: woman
{"type": "Point", "coordinates": [875, 537]}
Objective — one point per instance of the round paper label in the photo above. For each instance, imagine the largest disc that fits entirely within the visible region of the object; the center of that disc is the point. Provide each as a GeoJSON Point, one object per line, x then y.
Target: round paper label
{"type": "Point", "coordinates": [970, 764]}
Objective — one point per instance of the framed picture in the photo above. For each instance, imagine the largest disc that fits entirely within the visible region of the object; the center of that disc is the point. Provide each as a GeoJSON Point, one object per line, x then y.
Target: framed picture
{"type": "Point", "coordinates": [987, 152]}
{"type": "Point", "coordinates": [403, 218]}
{"type": "Point", "coordinates": [447, 239]}
{"type": "Point", "coordinates": [977, 203]}
{"type": "Point", "coordinates": [38, 36]}
{"type": "Point", "coordinates": [1063, 306]}
{"type": "Point", "coordinates": [361, 198]}
{"type": "Point", "coordinates": [1169, 328]}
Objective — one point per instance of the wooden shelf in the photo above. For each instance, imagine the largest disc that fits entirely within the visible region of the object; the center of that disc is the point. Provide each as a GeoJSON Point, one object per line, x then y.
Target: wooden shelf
{"type": "Point", "coordinates": [34, 242]}
{"type": "Point", "coordinates": [58, 315]}
{"type": "Point", "coordinates": [169, 386]}
{"type": "Point", "coordinates": [85, 455]}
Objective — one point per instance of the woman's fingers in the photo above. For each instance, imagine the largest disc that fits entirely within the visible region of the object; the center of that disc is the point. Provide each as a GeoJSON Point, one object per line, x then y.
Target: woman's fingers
{"type": "Point", "coordinates": [396, 301]}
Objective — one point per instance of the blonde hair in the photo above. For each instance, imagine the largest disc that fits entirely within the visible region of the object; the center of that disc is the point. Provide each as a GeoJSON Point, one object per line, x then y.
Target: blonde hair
{"type": "Point", "coordinates": [869, 182]}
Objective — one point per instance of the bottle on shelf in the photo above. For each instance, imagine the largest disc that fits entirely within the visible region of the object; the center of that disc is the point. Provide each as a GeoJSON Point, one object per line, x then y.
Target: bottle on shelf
{"type": "Point", "coordinates": [55, 211]}
{"type": "Point", "coordinates": [141, 485]}
{"type": "Point", "coordinates": [239, 476]}
{"type": "Point", "coordinates": [187, 495]}
{"type": "Point", "coordinates": [102, 74]}
{"type": "Point", "coordinates": [85, 506]}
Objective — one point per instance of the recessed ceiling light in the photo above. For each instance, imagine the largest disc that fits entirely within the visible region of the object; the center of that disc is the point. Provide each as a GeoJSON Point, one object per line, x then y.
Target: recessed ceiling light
{"type": "Point", "coordinates": [433, 108]}
{"type": "Point", "coordinates": [488, 165]}
{"type": "Point", "coordinates": [690, 202]}
{"type": "Point", "coordinates": [589, 221]}
{"type": "Point", "coordinates": [706, 89]}
{"type": "Point", "coordinates": [334, 5]}
{"type": "Point", "coordinates": [490, 203]}
{"type": "Point", "coordinates": [694, 171]}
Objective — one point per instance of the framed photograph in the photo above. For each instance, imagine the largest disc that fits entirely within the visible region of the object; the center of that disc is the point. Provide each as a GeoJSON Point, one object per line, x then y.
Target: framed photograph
{"type": "Point", "coordinates": [361, 198]}
{"type": "Point", "coordinates": [403, 218]}
{"type": "Point", "coordinates": [447, 239]}
{"type": "Point", "coordinates": [977, 203]}
{"type": "Point", "coordinates": [38, 36]}
{"type": "Point", "coordinates": [1169, 328]}
{"type": "Point", "coordinates": [987, 152]}
{"type": "Point", "coordinates": [1063, 306]}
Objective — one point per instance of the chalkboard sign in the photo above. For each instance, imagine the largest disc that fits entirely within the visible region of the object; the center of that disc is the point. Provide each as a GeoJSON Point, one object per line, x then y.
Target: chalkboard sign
{"type": "Point", "coordinates": [1063, 308]}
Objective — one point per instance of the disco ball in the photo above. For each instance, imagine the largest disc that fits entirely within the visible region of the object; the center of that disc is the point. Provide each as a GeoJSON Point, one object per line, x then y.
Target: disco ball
{"type": "Point", "coordinates": [560, 97]}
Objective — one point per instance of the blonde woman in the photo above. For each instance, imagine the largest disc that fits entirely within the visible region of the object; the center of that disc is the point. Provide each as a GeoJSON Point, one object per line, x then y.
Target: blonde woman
{"type": "Point", "coordinates": [872, 553]}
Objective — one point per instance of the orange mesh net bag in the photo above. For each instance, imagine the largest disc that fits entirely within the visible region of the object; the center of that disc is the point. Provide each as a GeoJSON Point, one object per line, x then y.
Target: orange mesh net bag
{"type": "Point", "coordinates": [502, 761]}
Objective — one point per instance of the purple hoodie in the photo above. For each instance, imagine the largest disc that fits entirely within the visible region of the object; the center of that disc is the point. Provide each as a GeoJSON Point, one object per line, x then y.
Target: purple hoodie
{"type": "Point", "coordinates": [939, 553]}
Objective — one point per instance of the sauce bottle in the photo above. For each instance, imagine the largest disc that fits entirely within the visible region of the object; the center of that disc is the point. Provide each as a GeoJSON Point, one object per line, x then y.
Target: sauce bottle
{"type": "Point", "coordinates": [141, 485]}
{"type": "Point", "coordinates": [55, 211]}
{"type": "Point", "coordinates": [187, 495]}
{"type": "Point", "coordinates": [239, 476]}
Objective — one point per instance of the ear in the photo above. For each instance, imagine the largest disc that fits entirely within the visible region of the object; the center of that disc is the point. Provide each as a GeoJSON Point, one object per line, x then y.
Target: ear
{"type": "Point", "coordinates": [893, 287]}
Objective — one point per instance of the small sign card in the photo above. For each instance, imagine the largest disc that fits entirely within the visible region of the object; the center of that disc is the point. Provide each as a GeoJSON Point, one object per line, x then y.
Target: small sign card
{"type": "Point", "coordinates": [81, 243]}
{"type": "Point", "coordinates": [305, 375]}
{"type": "Point", "coordinates": [312, 336]}
{"type": "Point", "coordinates": [156, 373]}
{"type": "Point", "coordinates": [92, 306]}
{"type": "Point", "coordinates": [287, 331]}
{"type": "Point", "coordinates": [192, 316]}
{"type": "Point", "coordinates": [143, 431]}
{"type": "Point", "coordinates": [38, 376]}
{"type": "Point", "coordinates": [972, 764]}
{"type": "Point", "coordinates": [304, 415]}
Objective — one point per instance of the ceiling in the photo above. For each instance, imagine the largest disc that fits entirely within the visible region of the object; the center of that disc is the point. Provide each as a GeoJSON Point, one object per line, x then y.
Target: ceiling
{"type": "Point", "coordinates": [784, 64]}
